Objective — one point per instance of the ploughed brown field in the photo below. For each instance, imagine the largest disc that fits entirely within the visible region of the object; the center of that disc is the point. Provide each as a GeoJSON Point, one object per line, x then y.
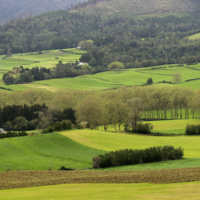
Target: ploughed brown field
{"type": "Point", "coordinates": [23, 179]}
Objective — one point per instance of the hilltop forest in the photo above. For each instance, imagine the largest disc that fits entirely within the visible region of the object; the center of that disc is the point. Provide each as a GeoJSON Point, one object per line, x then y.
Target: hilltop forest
{"type": "Point", "coordinates": [134, 42]}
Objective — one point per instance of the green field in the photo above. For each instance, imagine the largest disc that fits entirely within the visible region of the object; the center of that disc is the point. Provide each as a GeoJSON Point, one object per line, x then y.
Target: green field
{"type": "Point", "coordinates": [178, 191]}
{"type": "Point", "coordinates": [44, 152]}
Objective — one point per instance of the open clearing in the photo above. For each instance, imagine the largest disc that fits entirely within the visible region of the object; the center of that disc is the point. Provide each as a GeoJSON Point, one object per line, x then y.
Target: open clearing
{"type": "Point", "coordinates": [194, 37]}
{"type": "Point", "coordinates": [177, 191]}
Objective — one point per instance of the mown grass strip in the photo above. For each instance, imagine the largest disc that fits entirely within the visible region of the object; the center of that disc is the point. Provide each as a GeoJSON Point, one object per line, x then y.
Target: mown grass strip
{"type": "Point", "coordinates": [23, 179]}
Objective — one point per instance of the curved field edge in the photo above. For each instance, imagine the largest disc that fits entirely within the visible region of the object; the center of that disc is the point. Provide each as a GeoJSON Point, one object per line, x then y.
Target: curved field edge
{"type": "Point", "coordinates": [23, 179]}
{"type": "Point", "coordinates": [114, 141]}
{"type": "Point", "coordinates": [43, 152]}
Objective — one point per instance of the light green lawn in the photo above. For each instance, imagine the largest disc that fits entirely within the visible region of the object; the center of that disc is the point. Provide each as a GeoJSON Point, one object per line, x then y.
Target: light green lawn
{"type": "Point", "coordinates": [178, 191]}
{"type": "Point", "coordinates": [115, 141]}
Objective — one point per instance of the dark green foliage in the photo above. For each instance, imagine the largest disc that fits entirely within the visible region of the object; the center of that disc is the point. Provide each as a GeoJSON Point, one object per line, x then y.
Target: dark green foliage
{"type": "Point", "coordinates": [11, 134]}
{"type": "Point", "coordinates": [66, 125]}
{"type": "Point", "coordinates": [66, 169]}
{"type": "Point", "coordinates": [149, 81]}
{"type": "Point", "coordinates": [20, 117]}
{"type": "Point", "coordinates": [192, 129]}
{"type": "Point", "coordinates": [50, 129]}
{"type": "Point", "coordinates": [131, 157]}
{"type": "Point", "coordinates": [144, 128]}
{"type": "Point", "coordinates": [57, 126]}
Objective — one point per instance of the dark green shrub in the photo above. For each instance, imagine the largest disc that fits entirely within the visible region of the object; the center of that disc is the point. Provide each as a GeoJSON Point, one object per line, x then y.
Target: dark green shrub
{"type": "Point", "coordinates": [144, 128]}
{"type": "Point", "coordinates": [64, 168]}
{"type": "Point", "coordinates": [50, 129]}
{"type": "Point", "coordinates": [192, 129]}
{"type": "Point", "coordinates": [11, 134]}
{"type": "Point", "coordinates": [57, 126]}
{"type": "Point", "coordinates": [66, 125]}
{"type": "Point", "coordinates": [23, 133]}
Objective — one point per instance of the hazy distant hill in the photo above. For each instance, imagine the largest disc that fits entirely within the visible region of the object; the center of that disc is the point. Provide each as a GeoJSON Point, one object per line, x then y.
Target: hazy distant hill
{"type": "Point", "coordinates": [16, 8]}
{"type": "Point", "coordinates": [137, 6]}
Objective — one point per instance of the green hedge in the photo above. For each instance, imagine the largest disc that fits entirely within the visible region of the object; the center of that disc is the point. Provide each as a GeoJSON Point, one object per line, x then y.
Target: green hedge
{"type": "Point", "coordinates": [131, 157]}
{"type": "Point", "coordinates": [192, 129]}
{"type": "Point", "coordinates": [10, 134]}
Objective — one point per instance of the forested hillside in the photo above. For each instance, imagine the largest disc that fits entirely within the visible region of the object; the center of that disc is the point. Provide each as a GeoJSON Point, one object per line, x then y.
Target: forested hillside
{"type": "Point", "coordinates": [134, 42]}
{"type": "Point", "coordinates": [136, 6]}
{"type": "Point", "coordinates": [17, 8]}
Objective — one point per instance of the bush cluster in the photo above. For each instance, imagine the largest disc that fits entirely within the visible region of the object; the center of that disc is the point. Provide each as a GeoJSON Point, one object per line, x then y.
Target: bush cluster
{"type": "Point", "coordinates": [59, 126]}
{"type": "Point", "coordinates": [131, 157]}
{"type": "Point", "coordinates": [10, 134]}
{"type": "Point", "coordinates": [192, 129]}
{"type": "Point", "coordinates": [140, 128]}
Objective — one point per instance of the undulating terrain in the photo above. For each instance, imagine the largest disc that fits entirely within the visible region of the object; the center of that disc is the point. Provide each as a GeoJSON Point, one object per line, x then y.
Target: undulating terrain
{"type": "Point", "coordinates": [99, 76]}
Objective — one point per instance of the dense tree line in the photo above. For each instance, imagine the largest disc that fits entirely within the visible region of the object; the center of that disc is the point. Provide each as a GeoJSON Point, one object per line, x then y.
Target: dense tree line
{"type": "Point", "coordinates": [23, 117]}
{"type": "Point", "coordinates": [123, 105]}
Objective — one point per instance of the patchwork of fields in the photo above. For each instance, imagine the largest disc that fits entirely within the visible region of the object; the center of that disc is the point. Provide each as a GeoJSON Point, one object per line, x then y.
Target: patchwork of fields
{"type": "Point", "coordinates": [190, 75]}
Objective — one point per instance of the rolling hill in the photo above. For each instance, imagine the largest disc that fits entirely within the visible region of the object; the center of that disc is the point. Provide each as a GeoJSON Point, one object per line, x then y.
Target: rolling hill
{"type": "Point", "coordinates": [17, 8]}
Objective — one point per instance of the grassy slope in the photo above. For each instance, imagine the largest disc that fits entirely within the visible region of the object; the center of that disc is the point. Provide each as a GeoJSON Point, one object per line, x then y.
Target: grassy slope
{"type": "Point", "coordinates": [178, 191]}
{"type": "Point", "coordinates": [114, 141]}
{"type": "Point", "coordinates": [44, 152]}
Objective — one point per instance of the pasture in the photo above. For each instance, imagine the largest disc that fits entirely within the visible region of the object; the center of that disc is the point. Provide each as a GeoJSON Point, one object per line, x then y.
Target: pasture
{"type": "Point", "coordinates": [43, 152]}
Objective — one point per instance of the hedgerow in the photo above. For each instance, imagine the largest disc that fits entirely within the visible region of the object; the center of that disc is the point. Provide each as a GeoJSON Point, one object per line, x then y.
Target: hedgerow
{"type": "Point", "coordinates": [131, 157]}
